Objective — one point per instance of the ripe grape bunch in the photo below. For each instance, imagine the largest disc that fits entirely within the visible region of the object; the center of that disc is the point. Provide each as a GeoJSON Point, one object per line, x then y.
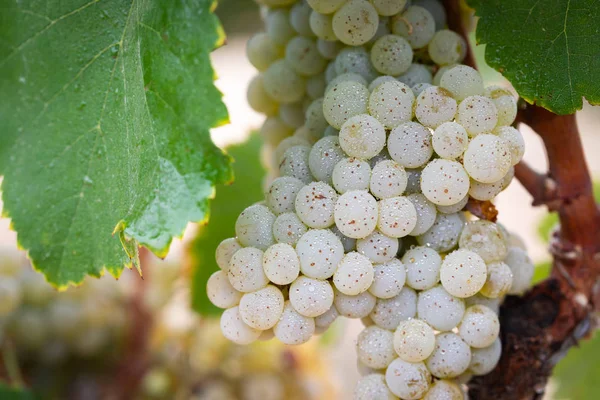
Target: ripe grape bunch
{"type": "Point", "coordinates": [376, 136]}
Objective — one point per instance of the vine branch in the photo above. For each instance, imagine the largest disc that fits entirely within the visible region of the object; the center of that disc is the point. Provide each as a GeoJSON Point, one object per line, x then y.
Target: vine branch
{"type": "Point", "coordinates": [538, 329]}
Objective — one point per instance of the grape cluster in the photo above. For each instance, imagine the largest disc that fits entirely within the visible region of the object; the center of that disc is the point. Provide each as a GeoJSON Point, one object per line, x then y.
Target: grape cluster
{"type": "Point", "coordinates": [376, 138]}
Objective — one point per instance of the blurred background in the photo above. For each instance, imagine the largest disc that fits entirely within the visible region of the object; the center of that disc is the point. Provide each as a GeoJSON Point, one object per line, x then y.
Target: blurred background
{"type": "Point", "coordinates": [140, 339]}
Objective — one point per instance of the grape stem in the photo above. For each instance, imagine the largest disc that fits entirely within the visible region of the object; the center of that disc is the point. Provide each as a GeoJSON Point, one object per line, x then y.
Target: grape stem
{"type": "Point", "coordinates": [539, 328]}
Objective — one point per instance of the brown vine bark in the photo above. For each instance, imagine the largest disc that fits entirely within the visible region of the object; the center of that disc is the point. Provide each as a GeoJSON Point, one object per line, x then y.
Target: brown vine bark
{"type": "Point", "coordinates": [539, 328]}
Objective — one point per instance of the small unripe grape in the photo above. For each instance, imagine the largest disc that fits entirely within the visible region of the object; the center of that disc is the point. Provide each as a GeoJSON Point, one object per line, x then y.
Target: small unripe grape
{"type": "Point", "coordinates": [499, 280]}
{"type": "Point", "coordinates": [416, 74]}
{"type": "Point", "coordinates": [355, 31]}
{"type": "Point", "coordinates": [485, 239]}
{"type": "Point", "coordinates": [487, 158]}
{"type": "Point", "coordinates": [407, 380]}
{"type": "Point", "coordinates": [293, 328]}
{"type": "Point", "coordinates": [362, 136]}
{"type": "Point", "coordinates": [391, 55]}
{"type": "Point", "coordinates": [320, 251]}
{"type": "Point", "coordinates": [463, 273]}
{"type": "Point", "coordinates": [391, 103]}
{"type": "Point", "coordinates": [416, 24]}
{"type": "Point", "coordinates": [356, 214]}
{"type": "Point", "coordinates": [397, 216]}
{"type": "Point", "coordinates": [414, 340]}
{"type": "Point", "coordinates": [354, 306]}
{"type": "Point", "coordinates": [279, 27]}
{"type": "Point", "coordinates": [281, 264]}
{"type": "Point", "coordinates": [522, 269]}
{"type": "Point", "coordinates": [351, 174]}
{"type": "Point", "coordinates": [373, 386]}
{"type": "Point", "coordinates": [440, 309]}
{"type": "Point", "coordinates": [288, 228]}
{"type": "Point", "coordinates": [484, 360]}
{"type": "Point", "coordinates": [246, 271]}
{"type": "Point", "coordinates": [354, 274]}
{"type": "Point", "coordinates": [311, 297]}
{"type": "Point", "coordinates": [422, 267]}
{"type": "Point", "coordinates": [282, 193]}
{"type": "Point", "coordinates": [235, 329]}
{"type": "Point", "coordinates": [451, 356]}
{"type": "Point", "coordinates": [315, 204]}
{"type": "Point", "coordinates": [262, 309]}
{"type": "Point", "coordinates": [323, 158]}
{"type": "Point", "coordinates": [443, 235]}
{"type": "Point", "coordinates": [302, 55]}
{"type": "Point", "coordinates": [343, 101]}
{"type": "Point", "coordinates": [479, 327]}
{"type": "Point", "coordinates": [389, 279]}
{"type": "Point", "coordinates": [254, 227]}
{"type": "Point", "coordinates": [388, 313]}
{"type": "Point", "coordinates": [444, 182]}
{"type": "Point", "coordinates": [220, 292]}
{"type": "Point", "coordinates": [409, 145]}
{"type": "Point", "coordinates": [388, 179]}
{"type": "Point", "coordinates": [450, 140]}
{"type": "Point", "coordinates": [434, 106]}
{"type": "Point", "coordinates": [261, 51]}
{"type": "Point", "coordinates": [447, 47]}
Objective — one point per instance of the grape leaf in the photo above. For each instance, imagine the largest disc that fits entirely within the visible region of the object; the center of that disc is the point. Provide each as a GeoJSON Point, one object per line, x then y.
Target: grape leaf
{"type": "Point", "coordinates": [106, 108]}
{"type": "Point", "coordinates": [548, 50]}
{"type": "Point", "coordinates": [231, 200]}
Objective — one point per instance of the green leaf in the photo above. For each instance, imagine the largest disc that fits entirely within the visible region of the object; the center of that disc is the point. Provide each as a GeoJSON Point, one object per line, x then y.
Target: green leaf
{"type": "Point", "coordinates": [11, 393]}
{"type": "Point", "coordinates": [548, 50]}
{"type": "Point", "coordinates": [229, 202]}
{"type": "Point", "coordinates": [541, 272]}
{"type": "Point", "coordinates": [577, 374]}
{"type": "Point", "coordinates": [106, 108]}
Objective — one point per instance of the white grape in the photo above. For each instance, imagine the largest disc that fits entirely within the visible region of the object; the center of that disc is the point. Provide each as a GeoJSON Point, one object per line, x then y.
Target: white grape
{"type": "Point", "coordinates": [315, 122]}
{"type": "Point", "coordinates": [320, 251]}
{"type": "Point", "coordinates": [302, 55]}
{"type": "Point", "coordinates": [507, 179]}
{"type": "Point", "coordinates": [414, 340]}
{"type": "Point", "coordinates": [462, 81]}
{"type": "Point", "coordinates": [254, 227]}
{"type": "Point", "coordinates": [444, 182]}
{"type": "Point", "coordinates": [436, 8]}
{"type": "Point", "coordinates": [261, 51]}
{"type": "Point", "coordinates": [388, 313]}
{"type": "Point", "coordinates": [258, 98]}
{"type": "Point", "coordinates": [389, 7]}
{"type": "Point", "coordinates": [330, 72]}
{"type": "Point", "coordinates": [416, 74]}
{"type": "Point", "coordinates": [407, 380]}
{"type": "Point", "coordinates": [354, 274]}
{"type": "Point", "coordinates": [440, 309]}
{"type": "Point", "coordinates": [416, 24]}
{"type": "Point", "coordinates": [282, 83]}
{"type": "Point", "coordinates": [322, 26]}
{"type": "Point", "coordinates": [422, 267]}
{"type": "Point", "coordinates": [463, 273]}
{"type": "Point", "coordinates": [499, 280]}
{"type": "Point", "coordinates": [292, 115]}
{"type": "Point", "coordinates": [286, 144]}
{"type": "Point", "coordinates": [311, 297]}
{"type": "Point", "coordinates": [324, 156]}
{"type": "Point", "coordinates": [293, 328]}
{"type": "Point", "coordinates": [262, 309]}
{"type": "Point", "coordinates": [343, 101]}
{"type": "Point", "coordinates": [282, 193]}
{"type": "Point", "coordinates": [485, 191]}
{"type": "Point", "coordinates": [419, 88]}
{"type": "Point", "coordinates": [455, 207]}
{"type": "Point", "coordinates": [437, 78]}
{"type": "Point", "coordinates": [451, 356]}
{"type": "Point", "coordinates": [485, 239]}
{"type": "Point", "coordinates": [492, 304]}
{"type": "Point", "coordinates": [351, 174]}
{"type": "Point", "coordinates": [477, 114]}
{"type": "Point", "coordinates": [397, 216]}
{"type": "Point", "coordinates": [447, 47]}
{"type": "Point", "coordinates": [443, 235]}
{"type": "Point", "coordinates": [391, 55]}
{"type": "Point", "coordinates": [315, 204]}
{"type": "Point", "coordinates": [324, 320]}
{"type": "Point", "coordinates": [487, 159]}
{"type": "Point", "coordinates": [515, 142]}
{"type": "Point", "coordinates": [348, 243]}
{"type": "Point", "coordinates": [279, 27]}
{"type": "Point", "coordinates": [426, 213]}
{"type": "Point", "coordinates": [375, 347]}
{"type": "Point", "coordinates": [380, 80]}
{"type": "Point", "coordinates": [377, 247]}
{"type": "Point", "coordinates": [246, 271]}
{"type": "Point", "coordinates": [225, 250]}
{"type": "Point", "coordinates": [434, 106]}
{"type": "Point", "coordinates": [326, 6]}
{"type": "Point", "coordinates": [329, 49]}
{"type": "Point", "coordinates": [388, 279]}
{"type": "Point", "coordinates": [220, 292]}
{"type": "Point", "coordinates": [362, 136]}
{"type": "Point", "coordinates": [522, 269]}
{"type": "Point", "coordinates": [373, 387]}
{"type": "Point", "coordinates": [479, 327]}
{"type": "Point", "coordinates": [356, 214]}
{"type": "Point", "coordinates": [354, 306]}
{"type": "Point", "coordinates": [288, 228]}
{"type": "Point", "coordinates": [235, 329]}
{"type": "Point", "coordinates": [444, 390]}
{"type": "Point", "coordinates": [346, 77]}
{"type": "Point", "coordinates": [450, 140]}
{"type": "Point", "coordinates": [281, 264]}
{"type": "Point", "coordinates": [300, 18]}
{"type": "Point", "coordinates": [357, 60]}
{"type": "Point", "coordinates": [409, 144]}
{"type": "Point", "coordinates": [274, 130]}
{"type": "Point", "coordinates": [294, 162]}
{"type": "Point", "coordinates": [505, 103]}
{"type": "Point", "coordinates": [391, 103]}
{"type": "Point", "coordinates": [388, 179]}
{"type": "Point", "coordinates": [484, 360]}
{"type": "Point", "coordinates": [315, 86]}
{"type": "Point", "coordinates": [353, 30]}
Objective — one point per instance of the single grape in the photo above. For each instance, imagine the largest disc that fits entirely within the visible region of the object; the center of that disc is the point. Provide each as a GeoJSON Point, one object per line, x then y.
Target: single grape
{"type": "Point", "coordinates": [416, 74]}
{"type": "Point", "coordinates": [388, 279]}
{"type": "Point", "coordinates": [480, 326]}
{"type": "Point", "coordinates": [484, 360]}
{"type": "Point", "coordinates": [324, 320]}
{"type": "Point", "coordinates": [487, 158]}
{"type": "Point", "coordinates": [499, 280]}
{"type": "Point", "coordinates": [356, 60]}
{"type": "Point", "coordinates": [278, 26]}
{"type": "Point", "coordinates": [388, 7]}
{"type": "Point", "coordinates": [326, 6]}
{"type": "Point", "coordinates": [440, 309]}
{"type": "Point", "coordinates": [463, 273]}
{"type": "Point", "coordinates": [323, 158]}
{"type": "Point", "coordinates": [422, 267]}
{"type": "Point", "coordinates": [292, 115]}
{"type": "Point", "coordinates": [444, 390]}
{"type": "Point", "coordinates": [380, 80]}
{"type": "Point", "coordinates": [294, 162]}
{"type": "Point", "coordinates": [434, 106]}
{"type": "Point", "coordinates": [515, 142]}
{"type": "Point", "coordinates": [282, 83]}
{"type": "Point", "coordinates": [288, 228]}
{"type": "Point", "coordinates": [329, 49]}
{"type": "Point", "coordinates": [450, 140]}
{"type": "Point", "coordinates": [477, 114]}
{"type": "Point", "coordinates": [311, 297]}
{"type": "Point", "coordinates": [287, 143]}
{"type": "Point", "coordinates": [351, 174]}
{"type": "Point", "coordinates": [258, 98]}
{"type": "Point", "coordinates": [409, 144]}
{"type": "Point", "coordinates": [416, 24]}
{"type": "Point", "coordinates": [388, 313]}
{"type": "Point", "coordinates": [443, 235]}
{"type": "Point", "coordinates": [362, 136]}
{"type": "Point", "coordinates": [447, 47]}
{"type": "Point", "coordinates": [492, 304]}
{"type": "Point", "coordinates": [346, 77]}
{"type": "Point", "coordinates": [426, 213]}
{"type": "Point", "coordinates": [354, 274]}
{"type": "Point", "coordinates": [262, 309]}
{"type": "Point", "coordinates": [354, 306]}
{"type": "Point", "coordinates": [414, 340]}
{"type": "Point", "coordinates": [322, 26]}
{"type": "Point", "coordinates": [293, 328]}
{"type": "Point", "coordinates": [397, 216]}
{"type": "Point", "coordinates": [220, 292]}
{"type": "Point", "coordinates": [343, 101]}
{"type": "Point", "coordinates": [388, 179]}
{"type": "Point", "coordinates": [485, 191]}
{"type": "Point", "coordinates": [522, 269]}
{"type": "Point", "coordinates": [436, 8]}
{"type": "Point", "coordinates": [444, 182]}
{"type": "Point", "coordinates": [315, 122]}
{"type": "Point", "coordinates": [407, 380]}
{"type": "Point", "coordinates": [485, 239]}
{"type": "Point", "coordinates": [353, 30]}
{"type": "Point", "coordinates": [281, 264]}
{"type": "Point", "coordinates": [315, 204]}
{"type": "Point", "coordinates": [302, 55]}
{"type": "Point", "coordinates": [453, 209]}
{"type": "Point", "coordinates": [254, 227]}
{"type": "Point", "coordinates": [462, 81]}
{"type": "Point", "coordinates": [225, 250]}
{"type": "Point", "coordinates": [377, 247]}
{"type": "Point", "coordinates": [505, 103]}
{"type": "Point", "coordinates": [391, 103]}
{"type": "Point", "coordinates": [282, 193]}
{"type": "Point", "coordinates": [245, 270]}
{"type": "Point", "coordinates": [373, 387]}
{"type": "Point", "coordinates": [261, 51]}
{"type": "Point", "coordinates": [234, 328]}
{"type": "Point", "coordinates": [391, 55]}
{"type": "Point", "coordinates": [356, 214]}
{"type": "Point", "coordinates": [451, 356]}
{"type": "Point", "coordinates": [300, 18]}
{"type": "Point", "coordinates": [320, 252]}
{"type": "Point", "coordinates": [375, 347]}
